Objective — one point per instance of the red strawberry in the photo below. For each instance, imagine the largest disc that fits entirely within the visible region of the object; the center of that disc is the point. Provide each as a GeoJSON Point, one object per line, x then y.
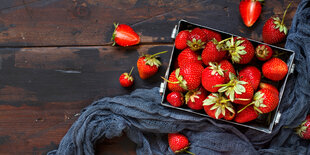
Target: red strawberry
{"type": "Point", "coordinates": [228, 68]}
{"type": "Point", "coordinates": [124, 35]}
{"type": "Point", "coordinates": [212, 52]}
{"type": "Point", "coordinates": [194, 98]}
{"type": "Point", "coordinates": [212, 34]}
{"type": "Point", "coordinates": [181, 39]}
{"type": "Point", "coordinates": [252, 74]}
{"type": "Point", "coordinates": [148, 65]}
{"type": "Point", "coordinates": [241, 50]}
{"type": "Point", "coordinates": [188, 56]}
{"type": "Point", "coordinates": [173, 82]}
{"type": "Point", "coordinates": [250, 11]}
{"type": "Point", "coordinates": [303, 130]}
{"type": "Point", "coordinates": [263, 52]}
{"type": "Point", "coordinates": [216, 106]}
{"type": "Point", "coordinates": [246, 115]}
{"type": "Point", "coordinates": [265, 101]}
{"type": "Point", "coordinates": [211, 76]}
{"type": "Point", "coordinates": [190, 76]}
{"type": "Point", "coordinates": [178, 143]}
{"type": "Point", "coordinates": [126, 80]}
{"type": "Point", "coordinates": [229, 115]}
{"type": "Point", "coordinates": [197, 39]}
{"type": "Point", "coordinates": [175, 99]}
{"type": "Point", "coordinates": [270, 87]}
{"type": "Point", "coordinates": [238, 90]}
{"type": "Point", "coordinates": [275, 69]}
{"type": "Point", "coordinates": [274, 30]}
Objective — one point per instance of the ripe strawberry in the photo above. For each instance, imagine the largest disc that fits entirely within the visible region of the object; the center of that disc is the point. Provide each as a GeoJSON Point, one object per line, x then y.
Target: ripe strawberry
{"type": "Point", "coordinates": [238, 90]}
{"type": "Point", "coordinates": [229, 115]}
{"type": "Point", "coordinates": [263, 52]}
{"type": "Point", "coordinates": [126, 80]}
{"type": "Point", "coordinates": [228, 68]}
{"type": "Point", "coordinates": [197, 39]}
{"type": "Point", "coordinates": [211, 76]}
{"type": "Point", "coordinates": [176, 99]}
{"type": "Point", "coordinates": [303, 130]}
{"type": "Point", "coordinates": [190, 76]}
{"type": "Point", "coordinates": [212, 34]}
{"type": "Point", "coordinates": [274, 30]}
{"type": "Point", "coordinates": [252, 74]}
{"type": "Point", "coordinates": [265, 101]}
{"type": "Point", "coordinates": [173, 82]}
{"type": "Point", "coordinates": [216, 106]}
{"type": "Point", "coordinates": [250, 11]}
{"type": "Point", "coordinates": [188, 56]}
{"type": "Point", "coordinates": [178, 143]}
{"type": "Point", "coordinates": [212, 52]}
{"type": "Point", "coordinates": [240, 49]}
{"type": "Point", "coordinates": [246, 115]}
{"type": "Point", "coordinates": [275, 69]}
{"type": "Point", "coordinates": [270, 87]}
{"type": "Point", "coordinates": [181, 39]}
{"type": "Point", "coordinates": [124, 35]}
{"type": "Point", "coordinates": [148, 65]}
{"type": "Point", "coordinates": [194, 98]}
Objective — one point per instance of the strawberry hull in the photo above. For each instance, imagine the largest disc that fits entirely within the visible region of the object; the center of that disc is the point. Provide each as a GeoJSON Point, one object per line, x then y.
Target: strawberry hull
{"type": "Point", "coordinates": [265, 122]}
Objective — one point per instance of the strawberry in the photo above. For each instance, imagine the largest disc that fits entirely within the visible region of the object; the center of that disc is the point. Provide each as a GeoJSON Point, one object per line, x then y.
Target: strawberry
{"type": "Point", "coordinates": [126, 80]}
{"type": "Point", "coordinates": [252, 74]}
{"type": "Point", "coordinates": [212, 34]}
{"type": "Point", "coordinates": [211, 76]}
{"type": "Point", "coordinates": [181, 39]}
{"type": "Point", "coordinates": [173, 82]}
{"type": "Point", "coordinates": [229, 115]}
{"type": "Point", "coordinates": [190, 76]}
{"type": "Point", "coordinates": [178, 143]}
{"type": "Point", "coordinates": [194, 98]}
{"type": "Point", "coordinates": [246, 115]}
{"type": "Point", "coordinates": [265, 101]}
{"type": "Point", "coordinates": [263, 52]}
{"type": "Point", "coordinates": [228, 68]}
{"type": "Point", "coordinates": [197, 39]}
{"type": "Point", "coordinates": [212, 52]}
{"type": "Point", "coordinates": [270, 87]}
{"type": "Point", "coordinates": [176, 99]}
{"type": "Point", "coordinates": [274, 30]}
{"type": "Point", "coordinates": [275, 69]}
{"type": "Point", "coordinates": [238, 90]}
{"type": "Point", "coordinates": [250, 11]}
{"type": "Point", "coordinates": [303, 130]}
{"type": "Point", "coordinates": [188, 56]}
{"type": "Point", "coordinates": [240, 49]}
{"type": "Point", "coordinates": [215, 105]}
{"type": "Point", "coordinates": [124, 35]}
{"type": "Point", "coordinates": [148, 65]}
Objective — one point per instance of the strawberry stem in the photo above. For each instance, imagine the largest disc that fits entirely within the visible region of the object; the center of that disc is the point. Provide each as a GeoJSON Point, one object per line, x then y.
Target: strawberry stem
{"type": "Point", "coordinates": [285, 13]}
{"type": "Point", "coordinates": [114, 33]}
{"type": "Point", "coordinates": [245, 107]}
{"type": "Point", "coordinates": [189, 152]}
{"type": "Point", "coordinates": [158, 53]}
{"type": "Point", "coordinates": [224, 40]}
{"type": "Point", "coordinates": [131, 71]}
{"type": "Point", "coordinates": [170, 81]}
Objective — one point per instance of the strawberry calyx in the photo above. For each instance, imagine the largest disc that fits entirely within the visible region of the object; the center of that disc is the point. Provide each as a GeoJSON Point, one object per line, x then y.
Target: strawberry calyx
{"type": "Point", "coordinates": [182, 82]}
{"type": "Point", "coordinates": [216, 68]}
{"type": "Point", "coordinates": [220, 104]}
{"type": "Point", "coordinates": [235, 49]}
{"type": "Point", "coordinates": [195, 44]}
{"type": "Point", "coordinates": [232, 87]}
{"type": "Point", "coordinates": [302, 128]}
{"type": "Point", "coordinates": [114, 33]}
{"type": "Point", "coordinates": [128, 76]}
{"type": "Point", "coordinates": [280, 23]}
{"type": "Point", "coordinates": [152, 60]}
{"type": "Point", "coordinates": [192, 95]}
{"type": "Point", "coordinates": [262, 51]}
{"type": "Point", "coordinates": [257, 102]}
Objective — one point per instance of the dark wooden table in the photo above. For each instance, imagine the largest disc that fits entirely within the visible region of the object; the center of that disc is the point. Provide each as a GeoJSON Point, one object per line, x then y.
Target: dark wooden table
{"type": "Point", "coordinates": [56, 58]}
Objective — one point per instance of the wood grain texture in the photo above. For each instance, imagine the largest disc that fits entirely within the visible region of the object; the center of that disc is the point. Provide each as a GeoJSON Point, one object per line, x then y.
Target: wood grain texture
{"type": "Point", "coordinates": [43, 88]}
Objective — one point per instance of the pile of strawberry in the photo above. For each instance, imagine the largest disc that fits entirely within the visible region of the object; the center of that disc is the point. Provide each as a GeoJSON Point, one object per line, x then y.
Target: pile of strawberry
{"type": "Point", "coordinates": [214, 76]}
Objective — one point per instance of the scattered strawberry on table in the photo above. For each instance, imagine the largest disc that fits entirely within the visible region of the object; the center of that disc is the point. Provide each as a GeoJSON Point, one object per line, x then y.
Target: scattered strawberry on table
{"type": "Point", "coordinates": [126, 80]}
{"type": "Point", "coordinates": [178, 143]}
{"type": "Point", "coordinates": [148, 65]}
{"type": "Point", "coordinates": [124, 35]}
{"type": "Point", "coordinates": [303, 130]}
{"type": "Point", "coordinates": [250, 11]}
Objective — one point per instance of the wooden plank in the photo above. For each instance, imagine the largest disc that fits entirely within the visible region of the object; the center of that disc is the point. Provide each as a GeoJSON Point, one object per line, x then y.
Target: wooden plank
{"type": "Point", "coordinates": [42, 89]}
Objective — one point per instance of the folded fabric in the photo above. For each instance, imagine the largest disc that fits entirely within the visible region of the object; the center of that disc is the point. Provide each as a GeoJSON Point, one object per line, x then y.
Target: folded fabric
{"type": "Point", "coordinates": [146, 122]}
